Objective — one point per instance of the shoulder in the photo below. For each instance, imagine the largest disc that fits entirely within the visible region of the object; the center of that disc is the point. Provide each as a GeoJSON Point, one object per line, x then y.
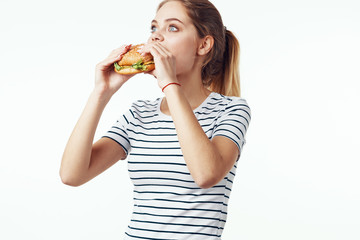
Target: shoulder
{"type": "Point", "coordinates": [145, 104]}
{"type": "Point", "coordinates": [144, 108]}
{"type": "Point", "coordinates": [227, 104]}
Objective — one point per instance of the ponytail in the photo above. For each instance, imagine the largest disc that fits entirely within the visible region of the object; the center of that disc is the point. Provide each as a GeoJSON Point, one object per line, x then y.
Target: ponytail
{"type": "Point", "coordinates": [227, 82]}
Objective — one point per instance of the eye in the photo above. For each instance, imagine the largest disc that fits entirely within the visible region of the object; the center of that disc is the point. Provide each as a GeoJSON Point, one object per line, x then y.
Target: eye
{"type": "Point", "coordinates": [153, 29]}
{"type": "Point", "coordinates": [172, 28]}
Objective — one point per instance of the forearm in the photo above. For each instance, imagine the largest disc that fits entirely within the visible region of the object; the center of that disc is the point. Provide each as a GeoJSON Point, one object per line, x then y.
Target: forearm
{"type": "Point", "coordinates": [201, 156]}
{"type": "Point", "coordinates": [77, 153]}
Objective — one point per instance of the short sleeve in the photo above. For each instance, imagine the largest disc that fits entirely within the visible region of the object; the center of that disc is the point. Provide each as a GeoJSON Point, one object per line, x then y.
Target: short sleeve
{"type": "Point", "coordinates": [234, 122]}
{"type": "Point", "coordinates": [118, 132]}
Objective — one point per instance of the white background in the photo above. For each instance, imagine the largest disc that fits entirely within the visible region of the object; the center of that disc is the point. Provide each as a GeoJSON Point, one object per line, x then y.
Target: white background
{"type": "Point", "coordinates": [298, 177]}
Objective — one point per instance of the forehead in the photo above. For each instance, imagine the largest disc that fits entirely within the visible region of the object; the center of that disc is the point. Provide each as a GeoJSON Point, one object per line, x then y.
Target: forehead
{"type": "Point", "coordinates": [172, 9]}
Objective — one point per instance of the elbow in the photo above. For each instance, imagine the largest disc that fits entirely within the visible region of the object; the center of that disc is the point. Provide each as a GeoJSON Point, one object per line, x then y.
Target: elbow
{"type": "Point", "coordinates": [207, 177]}
{"type": "Point", "coordinates": [69, 183]}
{"type": "Point", "coordinates": [206, 182]}
{"type": "Point", "coordinates": [205, 185]}
{"type": "Point", "coordinates": [69, 180]}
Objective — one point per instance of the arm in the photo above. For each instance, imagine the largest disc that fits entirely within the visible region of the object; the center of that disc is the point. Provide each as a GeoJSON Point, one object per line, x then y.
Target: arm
{"type": "Point", "coordinates": [82, 160]}
{"type": "Point", "coordinates": [208, 160]}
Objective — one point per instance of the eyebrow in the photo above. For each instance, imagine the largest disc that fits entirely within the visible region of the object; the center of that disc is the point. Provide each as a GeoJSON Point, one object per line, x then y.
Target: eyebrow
{"type": "Point", "coordinates": [168, 20]}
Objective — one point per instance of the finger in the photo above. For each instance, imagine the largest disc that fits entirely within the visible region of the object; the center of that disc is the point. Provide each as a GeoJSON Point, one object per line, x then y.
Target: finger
{"type": "Point", "coordinates": [145, 49]}
{"type": "Point", "coordinates": [162, 52]}
{"type": "Point", "coordinates": [154, 51]}
{"type": "Point", "coordinates": [153, 73]}
{"type": "Point", "coordinates": [140, 48]}
{"type": "Point", "coordinates": [116, 55]}
{"type": "Point", "coordinates": [119, 51]}
{"type": "Point", "coordinates": [161, 49]}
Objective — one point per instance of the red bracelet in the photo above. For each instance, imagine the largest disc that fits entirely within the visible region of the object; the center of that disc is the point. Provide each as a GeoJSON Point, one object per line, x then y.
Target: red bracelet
{"type": "Point", "coordinates": [170, 84]}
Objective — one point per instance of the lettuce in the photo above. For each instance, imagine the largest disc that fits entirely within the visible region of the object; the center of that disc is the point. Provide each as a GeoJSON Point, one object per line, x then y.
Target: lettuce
{"type": "Point", "coordinates": [139, 65]}
{"type": "Point", "coordinates": [117, 66]}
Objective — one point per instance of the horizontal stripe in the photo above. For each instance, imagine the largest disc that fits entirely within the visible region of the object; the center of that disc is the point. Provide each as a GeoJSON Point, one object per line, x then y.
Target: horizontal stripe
{"type": "Point", "coordinates": [207, 118]}
{"type": "Point", "coordinates": [217, 103]}
{"type": "Point", "coordinates": [122, 136]}
{"type": "Point", "coordinates": [178, 201]}
{"type": "Point", "coordinates": [164, 171]}
{"type": "Point", "coordinates": [238, 115]}
{"type": "Point", "coordinates": [180, 194]}
{"type": "Point", "coordinates": [156, 148]}
{"type": "Point", "coordinates": [158, 178]}
{"type": "Point", "coordinates": [153, 122]}
{"type": "Point", "coordinates": [181, 209]}
{"type": "Point", "coordinates": [227, 131]}
{"type": "Point", "coordinates": [156, 155]}
{"type": "Point", "coordinates": [144, 111]}
{"type": "Point", "coordinates": [169, 185]}
{"type": "Point", "coordinates": [120, 129]}
{"type": "Point", "coordinates": [162, 231]}
{"type": "Point", "coordinates": [165, 185]}
{"type": "Point", "coordinates": [137, 140]}
{"type": "Point", "coordinates": [222, 125]}
{"type": "Point", "coordinates": [234, 120]}
{"type": "Point", "coordinates": [139, 237]}
{"type": "Point", "coordinates": [177, 216]}
{"type": "Point", "coordinates": [236, 105]}
{"type": "Point", "coordinates": [240, 109]}
{"type": "Point", "coordinates": [140, 116]}
{"type": "Point", "coordinates": [171, 163]}
{"type": "Point", "coordinates": [153, 135]}
{"type": "Point", "coordinates": [154, 128]}
{"type": "Point", "coordinates": [209, 113]}
{"type": "Point", "coordinates": [210, 109]}
{"type": "Point", "coordinates": [146, 103]}
{"type": "Point", "coordinates": [176, 224]}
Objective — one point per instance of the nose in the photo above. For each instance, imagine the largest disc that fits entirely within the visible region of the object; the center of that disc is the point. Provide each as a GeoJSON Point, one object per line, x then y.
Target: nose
{"type": "Point", "coordinates": [156, 36]}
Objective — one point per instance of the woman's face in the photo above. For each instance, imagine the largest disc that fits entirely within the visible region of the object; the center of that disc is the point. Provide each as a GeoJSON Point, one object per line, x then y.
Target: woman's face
{"type": "Point", "coordinates": [173, 28]}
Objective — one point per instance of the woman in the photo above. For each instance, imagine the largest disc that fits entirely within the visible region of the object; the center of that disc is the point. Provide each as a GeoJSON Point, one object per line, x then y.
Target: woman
{"type": "Point", "coordinates": [183, 148]}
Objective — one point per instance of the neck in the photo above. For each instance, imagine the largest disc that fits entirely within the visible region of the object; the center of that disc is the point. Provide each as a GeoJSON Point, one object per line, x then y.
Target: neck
{"type": "Point", "coordinates": [193, 89]}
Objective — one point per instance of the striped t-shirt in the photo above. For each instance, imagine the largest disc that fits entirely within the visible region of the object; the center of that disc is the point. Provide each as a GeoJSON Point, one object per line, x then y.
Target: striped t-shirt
{"type": "Point", "coordinates": [168, 204]}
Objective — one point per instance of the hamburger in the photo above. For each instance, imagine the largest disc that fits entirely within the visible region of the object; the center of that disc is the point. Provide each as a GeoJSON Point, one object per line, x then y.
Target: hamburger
{"type": "Point", "coordinates": [132, 62]}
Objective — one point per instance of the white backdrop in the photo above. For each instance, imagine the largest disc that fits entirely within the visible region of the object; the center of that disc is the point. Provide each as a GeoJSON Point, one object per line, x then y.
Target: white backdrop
{"type": "Point", "coordinates": [298, 177]}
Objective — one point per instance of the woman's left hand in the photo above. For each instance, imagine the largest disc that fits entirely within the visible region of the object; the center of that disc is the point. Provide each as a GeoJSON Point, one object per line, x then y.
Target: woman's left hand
{"type": "Point", "coordinates": [165, 64]}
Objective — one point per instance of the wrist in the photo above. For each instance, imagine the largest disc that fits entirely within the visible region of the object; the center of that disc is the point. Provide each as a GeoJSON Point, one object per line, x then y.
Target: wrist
{"type": "Point", "coordinates": [173, 92]}
{"type": "Point", "coordinates": [101, 98]}
{"type": "Point", "coordinates": [170, 85]}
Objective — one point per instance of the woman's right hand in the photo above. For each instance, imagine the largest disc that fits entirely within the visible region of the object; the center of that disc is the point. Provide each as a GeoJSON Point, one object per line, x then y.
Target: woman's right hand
{"type": "Point", "coordinates": [107, 81]}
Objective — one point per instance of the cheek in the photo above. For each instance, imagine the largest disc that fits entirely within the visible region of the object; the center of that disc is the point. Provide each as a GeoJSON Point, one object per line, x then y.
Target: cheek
{"type": "Point", "coordinates": [184, 63]}
{"type": "Point", "coordinates": [185, 54]}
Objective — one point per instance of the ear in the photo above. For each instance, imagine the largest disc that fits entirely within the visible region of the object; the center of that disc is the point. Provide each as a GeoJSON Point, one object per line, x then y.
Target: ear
{"type": "Point", "coordinates": [206, 45]}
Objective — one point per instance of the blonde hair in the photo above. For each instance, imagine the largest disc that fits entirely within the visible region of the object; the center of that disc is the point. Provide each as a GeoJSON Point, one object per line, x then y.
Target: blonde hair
{"type": "Point", "coordinates": [220, 70]}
